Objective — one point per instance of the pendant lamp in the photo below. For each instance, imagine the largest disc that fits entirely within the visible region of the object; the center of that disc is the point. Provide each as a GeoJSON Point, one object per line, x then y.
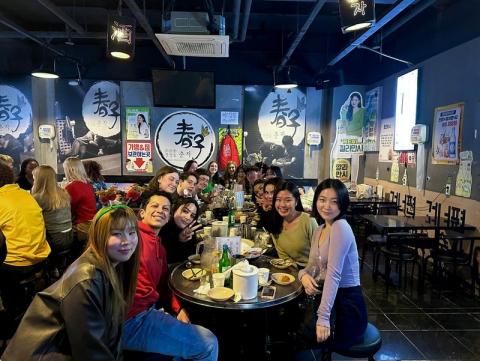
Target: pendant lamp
{"type": "Point", "coordinates": [356, 14]}
{"type": "Point", "coordinates": [121, 37]}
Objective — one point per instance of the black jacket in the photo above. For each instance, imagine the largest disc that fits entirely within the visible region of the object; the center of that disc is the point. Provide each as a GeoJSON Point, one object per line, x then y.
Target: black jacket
{"type": "Point", "coordinates": [70, 320]}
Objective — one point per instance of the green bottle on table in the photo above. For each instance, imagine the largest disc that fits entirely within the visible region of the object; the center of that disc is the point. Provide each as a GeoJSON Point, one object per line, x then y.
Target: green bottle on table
{"type": "Point", "coordinates": [224, 263]}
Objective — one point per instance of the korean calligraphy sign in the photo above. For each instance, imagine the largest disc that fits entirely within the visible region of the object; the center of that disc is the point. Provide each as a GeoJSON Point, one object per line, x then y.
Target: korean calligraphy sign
{"type": "Point", "coordinates": [15, 111]}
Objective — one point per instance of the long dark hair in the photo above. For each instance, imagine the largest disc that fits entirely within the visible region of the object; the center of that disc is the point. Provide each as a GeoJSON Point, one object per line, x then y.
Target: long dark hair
{"type": "Point", "coordinates": [350, 108]}
{"type": "Point", "coordinates": [186, 167]}
{"type": "Point", "coordinates": [23, 167]}
{"type": "Point", "coordinates": [342, 198]}
{"type": "Point", "coordinates": [183, 201]}
{"type": "Point", "coordinates": [144, 121]}
{"type": "Point", "coordinates": [292, 188]}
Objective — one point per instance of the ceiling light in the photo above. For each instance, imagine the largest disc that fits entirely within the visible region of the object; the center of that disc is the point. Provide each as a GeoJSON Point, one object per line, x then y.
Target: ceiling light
{"type": "Point", "coordinates": [282, 80]}
{"type": "Point", "coordinates": [46, 72]}
{"type": "Point", "coordinates": [356, 14]}
{"type": "Point", "coordinates": [121, 37]}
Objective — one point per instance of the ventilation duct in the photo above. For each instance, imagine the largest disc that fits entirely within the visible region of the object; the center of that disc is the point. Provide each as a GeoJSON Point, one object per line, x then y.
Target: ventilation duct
{"type": "Point", "coordinates": [212, 46]}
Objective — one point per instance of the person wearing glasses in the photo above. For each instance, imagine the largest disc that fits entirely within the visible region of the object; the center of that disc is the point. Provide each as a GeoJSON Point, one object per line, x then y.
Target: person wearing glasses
{"type": "Point", "coordinates": [80, 317]}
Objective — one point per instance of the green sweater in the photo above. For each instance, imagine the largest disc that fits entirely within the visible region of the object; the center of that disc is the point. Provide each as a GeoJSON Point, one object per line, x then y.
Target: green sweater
{"type": "Point", "coordinates": [295, 242]}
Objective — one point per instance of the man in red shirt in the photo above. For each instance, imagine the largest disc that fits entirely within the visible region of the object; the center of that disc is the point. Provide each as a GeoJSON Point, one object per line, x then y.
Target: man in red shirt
{"type": "Point", "coordinates": [148, 329]}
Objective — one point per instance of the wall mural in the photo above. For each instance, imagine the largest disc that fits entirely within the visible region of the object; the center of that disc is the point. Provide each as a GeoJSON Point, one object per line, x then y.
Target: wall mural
{"type": "Point", "coordinates": [275, 128]}
{"type": "Point", "coordinates": [182, 136]}
{"type": "Point", "coordinates": [16, 136]}
{"type": "Point", "coordinates": [88, 123]}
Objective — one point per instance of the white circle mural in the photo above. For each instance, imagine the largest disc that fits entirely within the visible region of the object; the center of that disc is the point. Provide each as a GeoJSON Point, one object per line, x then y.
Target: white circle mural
{"type": "Point", "coordinates": [182, 136]}
{"type": "Point", "coordinates": [101, 108]}
{"type": "Point", "coordinates": [15, 111]}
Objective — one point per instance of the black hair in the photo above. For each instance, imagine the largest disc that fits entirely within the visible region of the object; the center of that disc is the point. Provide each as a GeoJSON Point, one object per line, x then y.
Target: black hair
{"type": "Point", "coordinates": [144, 120]}
{"type": "Point", "coordinates": [276, 170]}
{"type": "Point", "coordinates": [6, 174]}
{"type": "Point", "coordinates": [292, 188]}
{"type": "Point", "coordinates": [23, 167]}
{"type": "Point", "coordinates": [180, 201]}
{"type": "Point", "coordinates": [201, 171]}
{"type": "Point", "coordinates": [276, 181]}
{"type": "Point", "coordinates": [287, 140]}
{"type": "Point", "coordinates": [148, 194]}
{"type": "Point", "coordinates": [343, 198]}
{"type": "Point", "coordinates": [349, 115]}
{"type": "Point", "coordinates": [184, 176]}
{"type": "Point", "coordinates": [186, 167]}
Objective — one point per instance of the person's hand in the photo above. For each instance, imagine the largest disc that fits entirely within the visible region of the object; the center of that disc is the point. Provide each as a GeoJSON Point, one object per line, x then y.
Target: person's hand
{"type": "Point", "coordinates": [183, 316]}
{"type": "Point", "coordinates": [323, 333]}
{"type": "Point", "coordinates": [187, 233]}
{"type": "Point", "coordinates": [309, 284]}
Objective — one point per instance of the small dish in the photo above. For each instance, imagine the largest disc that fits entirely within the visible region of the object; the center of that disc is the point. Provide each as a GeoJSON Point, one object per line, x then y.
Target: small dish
{"type": "Point", "coordinates": [281, 263]}
{"type": "Point", "coordinates": [253, 253]}
{"type": "Point", "coordinates": [282, 278]}
{"type": "Point", "coordinates": [194, 258]}
{"type": "Point", "coordinates": [220, 293]}
{"type": "Point", "coordinates": [193, 274]}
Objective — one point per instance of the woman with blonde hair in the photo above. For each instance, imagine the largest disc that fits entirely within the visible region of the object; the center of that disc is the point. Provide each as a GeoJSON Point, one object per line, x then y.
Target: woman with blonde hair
{"type": "Point", "coordinates": [80, 317]}
{"type": "Point", "coordinates": [82, 198]}
{"type": "Point", "coordinates": [55, 204]}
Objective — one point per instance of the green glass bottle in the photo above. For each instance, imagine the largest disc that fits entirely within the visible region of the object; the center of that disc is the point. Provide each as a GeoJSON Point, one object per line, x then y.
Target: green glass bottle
{"type": "Point", "coordinates": [224, 263]}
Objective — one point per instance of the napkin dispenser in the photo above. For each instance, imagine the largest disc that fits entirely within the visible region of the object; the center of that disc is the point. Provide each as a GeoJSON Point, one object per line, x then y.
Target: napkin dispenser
{"type": "Point", "coordinates": [245, 281]}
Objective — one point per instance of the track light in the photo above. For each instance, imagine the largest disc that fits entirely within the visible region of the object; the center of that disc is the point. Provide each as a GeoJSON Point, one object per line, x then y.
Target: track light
{"type": "Point", "coordinates": [46, 72]}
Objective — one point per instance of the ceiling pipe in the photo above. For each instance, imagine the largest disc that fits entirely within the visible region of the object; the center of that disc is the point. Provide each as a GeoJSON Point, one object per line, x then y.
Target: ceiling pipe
{"type": "Point", "coordinates": [63, 35]}
{"type": "Point", "coordinates": [62, 15]}
{"type": "Point", "coordinates": [142, 20]}
{"type": "Point", "coordinates": [376, 27]}
{"type": "Point", "coordinates": [246, 16]}
{"type": "Point", "coordinates": [316, 9]}
{"type": "Point", "coordinates": [236, 19]}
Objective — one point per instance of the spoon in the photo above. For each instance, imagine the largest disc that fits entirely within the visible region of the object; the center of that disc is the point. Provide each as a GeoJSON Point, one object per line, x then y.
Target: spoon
{"type": "Point", "coordinates": [189, 266]}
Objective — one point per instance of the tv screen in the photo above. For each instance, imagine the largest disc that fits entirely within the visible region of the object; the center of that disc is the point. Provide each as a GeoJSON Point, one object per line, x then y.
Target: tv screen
{"type": "Point", "coordinates": [406, 109]}
{"type": "Point", "coordinates": [184, 89]}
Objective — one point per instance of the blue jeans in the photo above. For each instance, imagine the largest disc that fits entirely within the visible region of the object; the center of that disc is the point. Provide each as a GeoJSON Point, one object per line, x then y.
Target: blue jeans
{"type": "Point", "coordinates": [158, 332]}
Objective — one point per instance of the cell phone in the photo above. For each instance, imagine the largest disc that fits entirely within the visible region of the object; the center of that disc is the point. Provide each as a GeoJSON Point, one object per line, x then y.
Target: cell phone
{"type": "Point", "coordinates": [268, 292]}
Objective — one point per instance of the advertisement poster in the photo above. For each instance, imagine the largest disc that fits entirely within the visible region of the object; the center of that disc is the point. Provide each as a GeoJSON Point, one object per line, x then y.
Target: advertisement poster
{"type": "Point", "coordinates": [463, 185]}
{"type": "Point", "coordinates": [182, 136]}
{"type": "Point", "coordinates": [371, 123]}
{"type": "Point", "coordinates": [88, 123]}
{"type": "Point", "coordinates": [138, 123]}
{"type": "Point", "coordinates": [447, 126]}
{"type": "Point", "coordinates": [385, 150]}
{"type": "Point", "coordinates": [342, 170]}
{"type": "Point", "coordinates": [275, 128]}
{"type": "Point", "coordinates": [395, 171]}
{"type": "Point", "coordinates": [139, 157]}
{"type": "Point", "coordinates": [16, 136]}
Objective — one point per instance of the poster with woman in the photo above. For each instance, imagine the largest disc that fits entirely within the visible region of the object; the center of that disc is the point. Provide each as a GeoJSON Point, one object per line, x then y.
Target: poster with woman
{"type": "Point", "coordinates": [138, 123]}
{"type": "Point", "coordinates": [447, 126]}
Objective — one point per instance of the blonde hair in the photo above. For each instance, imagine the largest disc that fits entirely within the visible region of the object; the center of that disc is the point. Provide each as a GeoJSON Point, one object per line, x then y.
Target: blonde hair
{"type": "Point", "coordinates": [46, 190]}
{"type": "Point", "coordinates": [74, 170]}
{"type": "Point", "coordinates": [6, 158]}
{"type": "Point", "coordinates": [123, 277]}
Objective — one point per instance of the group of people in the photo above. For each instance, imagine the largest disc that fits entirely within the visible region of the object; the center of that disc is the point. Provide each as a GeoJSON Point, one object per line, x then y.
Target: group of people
{"type": "Point", "coordinates": [115, 295]}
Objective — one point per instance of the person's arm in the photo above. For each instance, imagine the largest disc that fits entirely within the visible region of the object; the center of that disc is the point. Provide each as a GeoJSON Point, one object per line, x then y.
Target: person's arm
{"type": "Point", "coordinates": [280, 251]}
{"type": "Point", "coordinates": [304, 277]}
{"type": "Point", "coordinates": [86, 322]}
{"type": "Point", "coordinates": [341, 238]}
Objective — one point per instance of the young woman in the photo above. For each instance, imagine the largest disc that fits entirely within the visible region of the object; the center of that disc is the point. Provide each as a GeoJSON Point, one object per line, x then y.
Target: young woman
{"type": "Point", "coordinates": [143, 129]}
{"type": "Point", "coordinates": [80, 317]}
{"type": "Point", "coordinates": [191, 166]}
{"type": "Point", "coordinates": [94, 173]}
{"type": "Point", "coordinates": [354, 114]}
{"type": "Point", "coordinates": [229, 175]}
{"type": "Point", "coordinates": [177, 235]}
{"type": "Point", "coordinates": [273, 171]}
{"type": "Point", "coordinates": [334, 250]}
{"type": "Point", "coordinates": [165, 180]}
{"type": "Point", "coordinates": [82, 198]}
{"type": "Point", "coordinates": [241, 178]}
{"type": "Point", "coordinates": [25, 177]}
{"type": "Point", "coordinates": [266, 212]}
{"type": "Point", "coordinates": [215, 178]}
{"type": "Point", "coordinates": [293, 235]}
{"type": "Point", "coordinates": [55, 204]}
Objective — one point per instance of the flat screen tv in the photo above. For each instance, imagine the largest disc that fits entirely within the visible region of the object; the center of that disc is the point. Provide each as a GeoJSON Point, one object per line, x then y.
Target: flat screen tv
{"type": "Point", "coordinates": [183, 89]}
{"type": "Point", "coordinates": [406, 109]}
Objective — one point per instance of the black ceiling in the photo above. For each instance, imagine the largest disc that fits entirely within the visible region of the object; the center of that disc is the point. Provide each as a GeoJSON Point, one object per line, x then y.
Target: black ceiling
{"type": "Point", "coordinates": [423, 29]}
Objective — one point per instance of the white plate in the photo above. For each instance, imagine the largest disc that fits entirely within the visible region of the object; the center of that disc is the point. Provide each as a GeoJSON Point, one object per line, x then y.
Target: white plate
{"type": "Point", "coordinates": [253, 253]}
{"type": "Point", "coordinates": [245, 245]}
{"type": "Point", "coordinates": [282, 263]}
{"type": "Point", "coordinates": [194, 258]}
{"type": "Point", "coordinates": [282, 278]}
{"type": "Point", "coordinates": [220, 293]}
{"type": "Point", "coordinates": [193, 274]}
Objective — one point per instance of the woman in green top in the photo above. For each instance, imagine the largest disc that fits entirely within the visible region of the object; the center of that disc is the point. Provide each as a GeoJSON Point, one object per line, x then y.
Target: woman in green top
{"type": "Point", "coordinates": [354, 114]}
{"type": "Point", "coordinates": [293, 232]}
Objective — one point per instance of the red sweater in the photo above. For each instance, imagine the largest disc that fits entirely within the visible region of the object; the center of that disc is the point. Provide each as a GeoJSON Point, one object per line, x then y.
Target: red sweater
{"type": "Point", "coordinates": [152, 280]}
{"type": "Point", "coordinates": [82, 200]}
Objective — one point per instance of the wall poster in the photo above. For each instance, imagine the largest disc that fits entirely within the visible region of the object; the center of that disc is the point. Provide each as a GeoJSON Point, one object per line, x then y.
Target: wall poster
{"type": "Point", "coordinates": [385, 150]}
{"type": "Point", "coordinates": [342, 170]}
{"type": "Point", "coordinates": [16, 136]}
{"type": "Point", "coordinates": [371, 122]}
{"type": "Point", "coordinates": [138, 123]}
{"type": "Point", "coordinates": [275, 128]}
{"type": "Point", "coordinates": [447, 127]}
{"type": "Point", "coordinates": [139, 157]}
{"type": "Point", "coordinates": [88, 123]}
{"type": "Point", "coordinates": [182, 136]}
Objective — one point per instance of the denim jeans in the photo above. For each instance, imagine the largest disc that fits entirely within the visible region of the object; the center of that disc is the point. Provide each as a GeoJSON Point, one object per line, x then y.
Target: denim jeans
{"type": "Point", "coordinates": [158, 332]}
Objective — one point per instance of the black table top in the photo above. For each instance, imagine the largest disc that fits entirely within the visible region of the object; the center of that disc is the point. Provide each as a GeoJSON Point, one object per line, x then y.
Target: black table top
{"type": "Point", "coordinates": [413, 223]}
{"type": "Point", "coordinates": [183, 289]}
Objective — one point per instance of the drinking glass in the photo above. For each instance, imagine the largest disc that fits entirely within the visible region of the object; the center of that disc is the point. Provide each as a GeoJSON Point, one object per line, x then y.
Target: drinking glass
{"type": "Point", "coordinates": [318, 271]}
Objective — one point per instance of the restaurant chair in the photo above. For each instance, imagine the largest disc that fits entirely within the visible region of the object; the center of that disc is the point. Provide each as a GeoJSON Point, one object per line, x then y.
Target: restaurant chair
{"type": "Point", "coordinates": [371, 343]}
{"type": "Point", "coordinates": [57, 263]}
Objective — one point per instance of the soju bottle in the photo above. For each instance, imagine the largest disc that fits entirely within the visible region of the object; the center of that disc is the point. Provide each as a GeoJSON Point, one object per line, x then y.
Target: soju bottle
{"type": "Point", "coordinates": [224, 263]}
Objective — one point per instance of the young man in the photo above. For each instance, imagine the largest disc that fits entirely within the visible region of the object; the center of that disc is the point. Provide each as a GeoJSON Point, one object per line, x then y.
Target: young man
{"type": "Point", "coordinates": [186, 186]}
{"type": "Point", "coordinates": [156, 331]}
{"type": "Point", "coordinates": [203, 179]}
{"type": "Point", "coordinates": [251, 174]}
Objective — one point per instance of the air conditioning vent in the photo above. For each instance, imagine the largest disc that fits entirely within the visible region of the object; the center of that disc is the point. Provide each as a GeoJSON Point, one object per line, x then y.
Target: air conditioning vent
{"type": "Point", "coordinates": [212, 46]}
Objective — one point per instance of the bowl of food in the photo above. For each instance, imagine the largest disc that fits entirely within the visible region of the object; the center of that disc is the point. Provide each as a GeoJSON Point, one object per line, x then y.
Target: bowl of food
{"type": "Point", "coordinates": [282, 278]}
{"type": "Point", "coordinates": [193, 274]}
{"type": "Point", "coordinates": [253, 253]}
{"type": "Point", "coordinates": [282, 263]}
{"type": "Point", "coordinates": [220, 293]}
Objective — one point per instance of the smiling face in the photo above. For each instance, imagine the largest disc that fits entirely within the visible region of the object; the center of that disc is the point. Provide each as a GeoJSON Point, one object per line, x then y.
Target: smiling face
{"type": "Point", "coordinates": [213, 168]}
{"type": "Point", "coordinates": [231, 169]}
{"type": "Point", "coordinates": [157, 212]}
{"type": "Point", "coordinates": [285, 204]}
{"type": "Point", "coordinates": [327, 205]}
{"type": "Point", "coordinates": [187, 186]}
{"type": "Point", "coordinates": [268, 196]}
{"type": "Point", "coordinates": [202, 182]}
{"type": "Point", "coordinates": [168, 182]}
{"type": "Point", "coordinates": [122, 243]}
{"type": "Point", "coordinates": [355, 101]}
{"type": "Point", "coordinates": [193, 167]}
{"type": "Point", "coordinates": [184, 215]}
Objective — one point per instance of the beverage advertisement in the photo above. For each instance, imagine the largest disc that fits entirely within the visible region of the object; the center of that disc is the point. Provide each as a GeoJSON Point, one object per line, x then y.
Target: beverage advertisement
{"type": "Point", "coordinates": [447, 125]}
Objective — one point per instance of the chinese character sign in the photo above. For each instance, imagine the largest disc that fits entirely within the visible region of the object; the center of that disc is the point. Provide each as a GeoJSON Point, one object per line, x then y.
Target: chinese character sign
{"type": "Point", "coordinates": [341, 170]}
{"type": "Point", "coordinates": [139, 157]}
{"type": "Point", "coordinates": [15, 111]}
{"type": "Point", "coordinates": [101, 109]}
{"type": "Point", "coordinates": [182, 136]}
{"type": "Point", "coordinates": [447, 125]}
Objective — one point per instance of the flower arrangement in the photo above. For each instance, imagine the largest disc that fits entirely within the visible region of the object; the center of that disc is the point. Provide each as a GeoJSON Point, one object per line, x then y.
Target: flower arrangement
{"type": "Point", "coordinates": [133, 194]}
{"type": "Point", "coordinates": [107, 196]}
{"type": "Point", "coordinates": [129, 196]}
